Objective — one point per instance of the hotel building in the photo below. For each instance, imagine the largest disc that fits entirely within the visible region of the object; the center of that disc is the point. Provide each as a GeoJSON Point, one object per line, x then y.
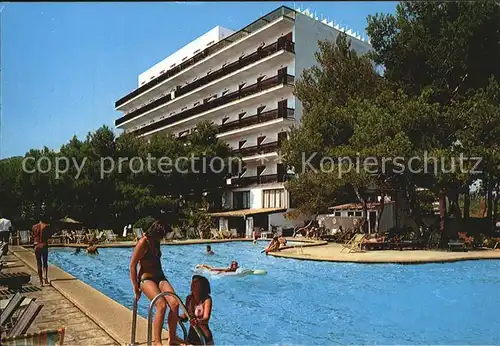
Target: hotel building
{"type": "Point", "coordinates": [243, 82]}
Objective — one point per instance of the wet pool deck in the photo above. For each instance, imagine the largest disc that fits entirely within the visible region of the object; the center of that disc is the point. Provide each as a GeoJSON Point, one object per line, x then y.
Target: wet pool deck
{"type": "Point", "coordinates": [328, 252]}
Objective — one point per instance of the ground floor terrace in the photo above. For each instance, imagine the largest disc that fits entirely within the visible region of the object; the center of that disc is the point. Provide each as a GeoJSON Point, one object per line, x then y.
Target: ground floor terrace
{"type": "Point", "coordinates": [93, 314]}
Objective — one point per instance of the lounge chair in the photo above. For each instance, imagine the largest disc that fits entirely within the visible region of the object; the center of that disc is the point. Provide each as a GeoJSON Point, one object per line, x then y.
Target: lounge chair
{"type": "Point", "coordinates": [215, 233]}
{"type": "Point", "coordinates": [354, 244]}
{"type": "Point", "coordinates": [226, 234]}
{"type": "Point", "coordinates": [9, 310]}
{"type": "Point", "coordinates": [99, 236]}
{"type": "Point", "coordinates": [25, 320]}
{"type": "Point", "coordinates": [234, 233]}
{"type": "Point", "coordinates": [110, 236]}
{"type": "Point", "coordinates": [14, 280]}
{"type": "Point", "coordinates": [45, 337]}
{"type": "Point", "coordinates": [138, 233]}
{"type": "Point", "coordinates": [457, 245]}
{"type": "Point", "coordinates": [25, 237]}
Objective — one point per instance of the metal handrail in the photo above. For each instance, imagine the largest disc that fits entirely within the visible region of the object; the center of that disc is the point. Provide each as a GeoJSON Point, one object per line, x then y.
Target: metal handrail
{"type": "Point", "coordinates": [134, 325]}
{"type": "Point", "coordinates": [181, 305]}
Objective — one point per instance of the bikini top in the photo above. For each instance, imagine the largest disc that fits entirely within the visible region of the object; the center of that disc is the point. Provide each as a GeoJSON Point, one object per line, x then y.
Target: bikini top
{"type": "Point", "coordinates": [153, 256]}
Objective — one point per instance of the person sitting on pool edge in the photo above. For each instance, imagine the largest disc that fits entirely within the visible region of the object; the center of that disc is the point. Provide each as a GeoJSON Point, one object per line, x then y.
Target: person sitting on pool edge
{"type": "Point", "coordinates": [232, 268]}
{"type": "Point", "coordinates": [273, 246]}
{"type": "Point", "coordinates": [199, 305]}
{"type": "Point", "coordinates": [209, 250]}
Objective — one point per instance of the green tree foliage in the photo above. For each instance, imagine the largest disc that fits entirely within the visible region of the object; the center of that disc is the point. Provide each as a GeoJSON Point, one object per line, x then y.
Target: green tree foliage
{"type": "Point", "coordinates": [108, 181]}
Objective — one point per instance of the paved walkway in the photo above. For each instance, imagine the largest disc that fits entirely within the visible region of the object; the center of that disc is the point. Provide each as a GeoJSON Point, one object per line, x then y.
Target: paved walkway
{"type": "Point", "coordinates": [332, 253]}
{"type": "Point", "coordinates": [59, 312]}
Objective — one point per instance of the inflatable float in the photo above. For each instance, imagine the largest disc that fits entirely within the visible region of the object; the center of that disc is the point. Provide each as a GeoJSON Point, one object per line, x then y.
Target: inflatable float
{"type": "Point", "coordinates": [239, 272]}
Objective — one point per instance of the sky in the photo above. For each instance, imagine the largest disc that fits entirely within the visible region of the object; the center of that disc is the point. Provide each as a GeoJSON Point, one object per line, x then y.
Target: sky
{"type": "Point", "coordinates": [65, 64]}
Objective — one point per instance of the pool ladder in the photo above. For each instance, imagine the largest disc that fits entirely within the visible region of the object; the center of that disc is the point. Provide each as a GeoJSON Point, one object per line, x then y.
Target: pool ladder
{"type": "Point", "coordinates": [150, 319]}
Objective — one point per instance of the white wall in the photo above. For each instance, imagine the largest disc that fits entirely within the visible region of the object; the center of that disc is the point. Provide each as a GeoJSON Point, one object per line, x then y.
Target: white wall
{"type": "Point", "coordinates": [188, 51]}
{"type": "Point", "coordinates": [228, 84]}
{"type": "Point", "coordinates": [307, 33]}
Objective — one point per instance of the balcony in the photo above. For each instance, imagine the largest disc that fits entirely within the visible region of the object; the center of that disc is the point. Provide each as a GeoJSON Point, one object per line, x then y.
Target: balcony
{"type": "Point", "coordinates": [282, 11]}
{"type": "Point", "coordinates": [286, 113]}
{"type": "Point", "coordinates": [260, 54]}
{"type": "Point", "coordinates": [258, 149]}
{"type": "Point", "coordinates": [262, 179]}
{"type": "Point", "coordinates": [235, 95]}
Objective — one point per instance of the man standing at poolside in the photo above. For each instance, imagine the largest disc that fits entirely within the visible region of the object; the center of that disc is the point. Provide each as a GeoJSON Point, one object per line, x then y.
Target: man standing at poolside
{"type": "Point", "coordinates": [41, 234]}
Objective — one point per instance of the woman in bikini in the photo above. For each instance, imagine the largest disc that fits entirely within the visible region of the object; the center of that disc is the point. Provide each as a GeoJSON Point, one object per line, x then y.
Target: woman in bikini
{"type": "Point", "coordinates": [199, 305]}
{"type": "Point", "coordinates": [152, 281]}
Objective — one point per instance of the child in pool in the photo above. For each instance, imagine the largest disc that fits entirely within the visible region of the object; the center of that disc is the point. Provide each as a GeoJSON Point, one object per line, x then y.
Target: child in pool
{"type": "Point", "coordinates": [199, 305]}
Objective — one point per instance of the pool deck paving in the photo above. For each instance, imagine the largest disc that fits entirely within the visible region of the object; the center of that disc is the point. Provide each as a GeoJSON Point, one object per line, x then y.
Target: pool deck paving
{"type": "Point", "coordinates": [59, 311]}
{"type": "Point", "coordinates": [99, 319]}
{"type": "Point", "coordinates": [329, 252]}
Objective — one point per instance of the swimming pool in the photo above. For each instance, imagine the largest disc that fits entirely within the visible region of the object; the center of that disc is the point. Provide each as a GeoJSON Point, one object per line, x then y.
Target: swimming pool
{"type": "Point", "coordinates": [303, 302]}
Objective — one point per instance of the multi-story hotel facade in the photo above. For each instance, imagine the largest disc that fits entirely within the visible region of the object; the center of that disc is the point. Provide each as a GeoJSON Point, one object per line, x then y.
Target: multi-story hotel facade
{"type": "Point", "coordinates": [243, 82]}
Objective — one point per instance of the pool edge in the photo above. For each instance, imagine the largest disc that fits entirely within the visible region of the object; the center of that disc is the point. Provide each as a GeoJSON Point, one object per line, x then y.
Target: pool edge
{"type": "Point", "coordinates": [112, 317]}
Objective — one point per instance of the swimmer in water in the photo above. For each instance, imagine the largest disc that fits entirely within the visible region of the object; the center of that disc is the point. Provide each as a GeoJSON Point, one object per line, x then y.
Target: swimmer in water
{"type": "Point", "coordinates": [92, 249]}
{"type": "Point", "coordinates": [209, 250]}
{"type": "Point", "coordinates": [232, 268]}
{"type": "Point", "coordinates": [77, 251]}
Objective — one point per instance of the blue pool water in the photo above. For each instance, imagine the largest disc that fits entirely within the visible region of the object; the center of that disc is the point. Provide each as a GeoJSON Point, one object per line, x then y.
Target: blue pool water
{"type": "Point", "coordinates": [302, 302]}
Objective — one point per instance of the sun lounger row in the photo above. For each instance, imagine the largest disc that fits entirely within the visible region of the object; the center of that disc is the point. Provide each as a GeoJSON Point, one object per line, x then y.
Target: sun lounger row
{"type": "Point", "coordinates": [13, 330]}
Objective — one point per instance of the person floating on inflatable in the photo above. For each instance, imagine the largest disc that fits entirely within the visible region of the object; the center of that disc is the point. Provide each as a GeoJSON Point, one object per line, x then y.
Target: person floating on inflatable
{"type": "Point", "coordinates": [232, 268]}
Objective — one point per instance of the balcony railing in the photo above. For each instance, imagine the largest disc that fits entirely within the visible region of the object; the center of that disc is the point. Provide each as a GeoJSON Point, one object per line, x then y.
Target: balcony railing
{"type": "Point", "coordinates": [281, 44]}
{"type": "Point", "coordinates": [286, 113]}
{"type": "Point", "coordinates": [258, 149]}
{"type": "Point", "coordinates": [237, 36]}
{"type": "Point", "coordinates": [235, 95]}
{"type": "Point", "coordinates": [262, 179]}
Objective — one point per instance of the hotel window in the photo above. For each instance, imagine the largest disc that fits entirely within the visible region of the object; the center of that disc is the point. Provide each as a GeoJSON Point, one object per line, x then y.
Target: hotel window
{"type": "Point", "coordinates": [173, 65]}
{"type": "Point", "coordinates": [337, 213]}
{"type": "Point", "coordinates": [210, 43]}
{"type": "Point", "coordinates": [224, 64]}
{"type": "Point", "coordinates": [241, 200]}
{"type": "Point", "coordinates": [185, 58]}
{"type": "Point", "coordinates": [260, 170]}
{"type": "Point", "coordinates": [350, 213]}
{"type": "Point", "coordinates": [241, 85]}
{"type": "Point", "coordinates": [224, 120]}
{"type": "Point", "coordinates": [196, 103]}
{"type": "Point", "coordinates": [260, 140]}
{"type": "Point", "coordinates": [196, 52]}
{"type": "Point", "coordinates": [225, 92]}
{"type": "Point", "coordinates": [241, 143]}
{"type": "Point", "coordinates": [162, 71]}
{"type": "Point", "coordinates": [260, 109]}
{"type": "Point", "coordinates": [152, 77]}
{"type": "Point", "coordinates": [172, 113]}
{"type": "Point", "coordinates": [259, 79]}
{"type": "Point", "coordinates": [183, 108]}
{"type": "Point", "coordinates": [282, 136]}
{"type": "Point", "coordinates": [273, 198]}
{"type": "Point", "coordinates": [241, 115]}
{"type": "Point", "coordinates": [358, 213]}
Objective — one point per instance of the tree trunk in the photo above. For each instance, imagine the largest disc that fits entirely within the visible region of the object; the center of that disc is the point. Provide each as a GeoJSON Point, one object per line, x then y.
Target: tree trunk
{"type": "Point", "coordinates": [382, 207]}
{"type": "Point", "coordinates": [364, 223]}
{"type": "Point", "coordinates": [495, 203]}
{"type": "Point", "coordinates": [442, 211]}
{"type": "Point", "coordinates": [467, 204]}
{"type": "Point", "coordinates": [414, 205]}
{"type": "Point", "coordinates": [490, 203]}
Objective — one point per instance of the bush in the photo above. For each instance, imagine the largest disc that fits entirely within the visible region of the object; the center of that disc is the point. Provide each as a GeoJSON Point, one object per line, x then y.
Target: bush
{"type": "Point", "coordinates": [144, 223]}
